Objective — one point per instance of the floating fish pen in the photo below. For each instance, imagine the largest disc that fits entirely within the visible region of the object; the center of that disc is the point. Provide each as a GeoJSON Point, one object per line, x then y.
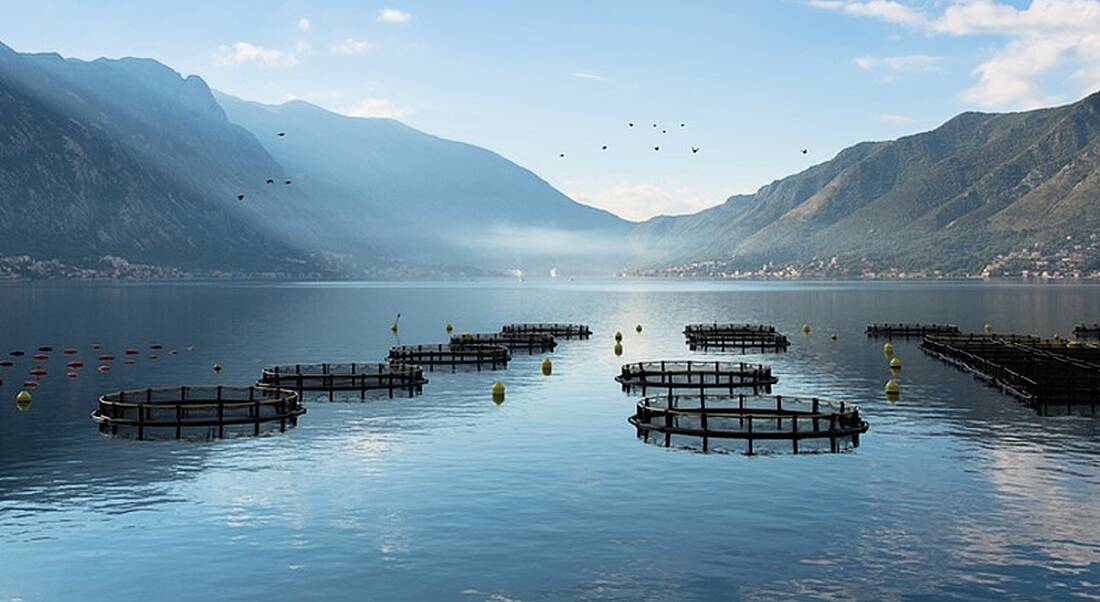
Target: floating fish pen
{"type": "Point", "coordinates": [197, 412]}
{"type": "Point", "coordinates": [701, 376]}
{"type": "Point", "coordinates": [530, 342]}
{"type": "Point", "coordinates": [1046, 375]}
{"type": "Point", "coordinates": [734, 337]}
{"type": "Point", "coordinates": [910, 330]}
{"type": "Point", "coordinates": [561, 331]}
{"type": "Point", "coordinates": [748, 424]}
{"type": "Point", "coordinates": [1087, 331]}
{"type": "Point", "coordinates": [345, 379]}
{"type": "Point", "coordinates": [479, 357]}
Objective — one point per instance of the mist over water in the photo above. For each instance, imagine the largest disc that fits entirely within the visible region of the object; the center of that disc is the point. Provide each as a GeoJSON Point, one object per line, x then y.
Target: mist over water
{"type": "Point", "coordinates": [957, 491]}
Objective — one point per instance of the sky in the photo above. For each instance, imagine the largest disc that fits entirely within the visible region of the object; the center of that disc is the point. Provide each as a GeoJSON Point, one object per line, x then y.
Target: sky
{"type": "Point", "coordinates": [752, 81]}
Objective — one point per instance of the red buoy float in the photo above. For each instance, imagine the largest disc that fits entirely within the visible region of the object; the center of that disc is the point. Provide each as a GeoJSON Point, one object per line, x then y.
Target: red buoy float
{"type": "Point", "coordinates": [72, 375]}
{"type": "Point", "coordinates": [76, 364]}
{"type": "Point", "coordinates": [39, 371]}
{"type": "Point", "coordinates": [40, 357]}
{"type": "Point", "coordinates": [106, 357]}
{"type": "Point", "coordinates": [30, 384]}
{"type": "Point", "coordinates": [5, 364]}
{"type": "Point", "coordinates": [69, 351]}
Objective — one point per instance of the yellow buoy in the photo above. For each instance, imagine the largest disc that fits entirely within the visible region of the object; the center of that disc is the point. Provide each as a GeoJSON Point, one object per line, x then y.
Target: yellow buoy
{"type": "Point", "coordinates": [892, 387]}
{"type": "Point", "coordinates": [449, 328]}
{"type": "Point", "coordinates": [988, 328]}
{"type": "Point", "coordinates": [895, 364]}
{"type": "Point", "coordinates": [618, 337]}
{"type": "Point", "coordinates": [618, 348]}
{"type": "Point", "coordinates": [888, 348]}
{"type": "Point", "coordinates": [498, 392]}
{"type": "Point", "coordinates": [805, 329]}
{"type": "Point", "coordinates": [638, 328]}
{"type": "Point", "coordinates": [393, 327]}
{"type": "Point", "coordinates": [547, 367]}
{"type": "Point", "coordinates": [23, 396]}
{"type": "Point", "coordinates": [216, 368]}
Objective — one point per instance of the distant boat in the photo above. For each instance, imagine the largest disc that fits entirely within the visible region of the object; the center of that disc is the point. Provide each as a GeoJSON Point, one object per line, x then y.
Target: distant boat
{"type": "Point", "coordinates": [518, 273]}
{"type": "Point", "coordinates": [553, 272]}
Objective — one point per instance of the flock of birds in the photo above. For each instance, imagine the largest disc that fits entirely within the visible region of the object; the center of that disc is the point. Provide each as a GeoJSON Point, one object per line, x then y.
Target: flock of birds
{"type": "Point", "coordinates": [657, 147]}
{"type": "Point", "coordinates": [270, 181]}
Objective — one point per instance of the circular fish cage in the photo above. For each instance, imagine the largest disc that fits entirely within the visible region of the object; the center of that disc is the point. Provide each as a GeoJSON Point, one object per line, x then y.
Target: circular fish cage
{"type": "Point", "coordinates": [734, 337]}
{"type": "Point", "coordinates": [702, 376]}
{"type": "Point", "coordinates": [749, 424]}
{"type": "Point", "coordinates": [345, 379]}
{"type": "Point", "coordinates": [213, 412]}
{"type": "Point", "coordinates": [479, 357]}
{"type": "Point", "coordinates": [530, 342]}
{"type": "Point", "coordinates": [559, 330]}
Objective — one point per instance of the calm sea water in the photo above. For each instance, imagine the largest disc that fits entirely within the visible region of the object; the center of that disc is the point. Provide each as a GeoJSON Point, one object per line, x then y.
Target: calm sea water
{"type": "Point", "coordinates": [957, 491]}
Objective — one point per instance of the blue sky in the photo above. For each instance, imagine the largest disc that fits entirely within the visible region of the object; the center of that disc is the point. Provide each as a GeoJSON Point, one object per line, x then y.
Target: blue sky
{"type": "Point", "coordinates": [755, 81]}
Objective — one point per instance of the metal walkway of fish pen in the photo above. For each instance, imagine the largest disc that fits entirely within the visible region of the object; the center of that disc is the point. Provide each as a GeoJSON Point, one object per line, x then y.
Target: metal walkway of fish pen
{"type": "Point", "coordinates": [910, 330]}
{"type": "Point", "coordinates": [526, 341]}
{"type": "Point", "coordinates": [748, 424]}
{"type": "Point", "coordinates": [559, 330]}
{"type": "Point", "coordinates": [348, 377]}
{"type": "Point", "coordinates": [734, 337]}
{"type": "Point", "coordinates": [196, 412]}
{"type": "Point", "coordinates": [701, 376]}
{"type": "Point", "coordinates": [1046, 375]}
{"type": "Point", "coordinates": [480, 357]}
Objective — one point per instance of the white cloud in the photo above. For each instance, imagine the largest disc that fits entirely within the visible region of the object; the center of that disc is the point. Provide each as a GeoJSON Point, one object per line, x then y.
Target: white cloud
{"type": "Point", "coordinates": [351, 46]}
{"type": "Point", "coordinates": [884, 10]}
{"type": "Point", "coordinates": [1040, 40]}
{"type": "Point", "coordinates": [591, 76]}
{"type": "Point", "coordinates": [243, 52]}
{"type": "Point", "coordinates": [899, 64]}
{"type": "Point", "coordinates": [895, 119]}
{"type": "Point", "coordinates": [641, 201]}
{"type": "Point", "coordinates": [304, 24]}
{"type": "Point", "coordinates": [373, 107]}
{"type": "Point", "coordinates": [392, 15]}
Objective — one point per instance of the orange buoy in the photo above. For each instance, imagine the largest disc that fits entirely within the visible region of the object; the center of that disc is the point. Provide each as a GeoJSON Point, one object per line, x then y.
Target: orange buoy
{"type": "Point", "coordinates": [72, 375]}
{"type": "Point", "coordinates": [70, 351]}
{"type": "Point", "coordinates": [40, 357]}
{"type": "Point", "coordinates": [106, 357]}
{"type": "Point", "coordinates": [5, 364]}
{"type": "Point", "coordinates": [76, 364]}
{"type": "Point", "coordinates": [38, 371]}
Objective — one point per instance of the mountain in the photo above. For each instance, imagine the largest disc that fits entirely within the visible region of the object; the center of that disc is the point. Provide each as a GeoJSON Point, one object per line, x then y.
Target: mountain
{"type": "Point", "coordinates": [129, 161]}
{"type": "Point", "coordinates": [982, 192]}
{"type": "Point", "coordinates": [422, 196]}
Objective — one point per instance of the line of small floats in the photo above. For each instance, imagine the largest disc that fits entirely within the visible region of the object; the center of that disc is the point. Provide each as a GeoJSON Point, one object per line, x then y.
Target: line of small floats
{"type": "Point", "coordinates": [707, 405]}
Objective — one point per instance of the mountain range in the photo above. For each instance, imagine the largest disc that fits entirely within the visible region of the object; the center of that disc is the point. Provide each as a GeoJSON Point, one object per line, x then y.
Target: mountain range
{"type": "Point", "coordinates": [126, 168]}
{"type": "Point", "coordinates": [978, 194]}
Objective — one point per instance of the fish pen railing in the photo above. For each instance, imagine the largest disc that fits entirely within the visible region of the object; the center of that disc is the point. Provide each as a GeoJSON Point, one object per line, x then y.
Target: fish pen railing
{"type": "Point", "coordinates": [346, 377]}
{"type": "Point", "coordinates": [738, 341]}
{"type": "Point", "coordinates": [671, 375]}
{"type": "Point", "coordinates": [910, 330]}
{"type": "Point", "coordinates": [527, 341]}
{"type": "Point", "coordinates": [480, 357]}
{"type": "Point", "coordinates": [1087, 331]}
{"type": "Point", "coordinates": [718, 328]}
{"type": "Point", "coordinates": [1045, 376]}
{"type": "Point", "coordinates": [559, 330]}
{"type": "Point", "coordinates": [748, 423]}
{"type": "Point", "coordinates": [196, 412]}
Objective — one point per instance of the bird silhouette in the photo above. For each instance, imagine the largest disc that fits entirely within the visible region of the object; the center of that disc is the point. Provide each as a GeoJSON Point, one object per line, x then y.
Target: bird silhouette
{"type": "Point", "coordinates": [562, 155]}
{"type": "Point", "coordinates": [694, 150]}
{"type": "Point", "coordinates": [804, 151]}
{"type": "Point", "coordinates": [654, 125]}
{"type": "Point", "coordinates": [682, 125]}
{"type": "Point", "coordinates": [270, 181]}
{"type": "Point", "coordinates": [281, 134]}
{"type": "Point", "coordinates": [287, 182]}
{"type": "Point", "coordinates": [240, 197]}
{"type": "Point", "coordinates": [664, 131]}
{"type": "Point", "coordinates": [630, 124]}
{"type": "Point", "coordinates": [656, 148]}
{"type": "Point", "coordinates": [604, 147]}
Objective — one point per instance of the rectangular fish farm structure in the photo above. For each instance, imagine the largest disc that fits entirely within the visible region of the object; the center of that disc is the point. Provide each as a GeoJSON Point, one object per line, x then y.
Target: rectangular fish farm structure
{"type": "Point", "coordinates": [559, 330]}
{"type": "Point", "coordinates": [734, 337]}
{"type": "Point", "coordinates": [479, 357]}
{"type": "Point", "coordinates": [1047, 375]}
{"type": "Point", "coordinates": [527, 341]}
{"type": "Point", "coordinates": [910, 330]}
{"type": "Point", "coordinates": [692, 375]}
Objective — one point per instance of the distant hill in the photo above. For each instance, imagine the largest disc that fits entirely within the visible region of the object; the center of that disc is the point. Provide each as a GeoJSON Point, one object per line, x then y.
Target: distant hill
{"type": "Point", "coordinates": [952, 199]}
{"type": "Point", "coordinates": [128, 159]}
{"type": "Point", "coordinates": [419, 195]}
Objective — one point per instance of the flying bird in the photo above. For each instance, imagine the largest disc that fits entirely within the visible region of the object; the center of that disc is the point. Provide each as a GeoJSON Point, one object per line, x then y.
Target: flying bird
{"type": "Point", "coordinates": [654, 125]}
{"type": "Point", "coordinates": [562, 155]}
{"type": "Point", "coordinates": [240, 197]}
{"type": "Point", "coordinates": [287, 182]}
{"type": "Point", "coordinates": [664, 131]}
{"type": "Point", "coordinates": [682, 125]}
{"type": "Point", "coordinates": [281, 134]}
{"type": "Point", "coordinates": [630, 124]}
{"type": "Point", "coordinates": [804, 151]}
{"type": "Point", "coordinates": [604, 147]}
{"type": "Point", "coordinates": [694, 150]}
{"type": "Point", "coordinates": [270, 181]}
{"type": "Point", "coordinates": [656, 148]}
